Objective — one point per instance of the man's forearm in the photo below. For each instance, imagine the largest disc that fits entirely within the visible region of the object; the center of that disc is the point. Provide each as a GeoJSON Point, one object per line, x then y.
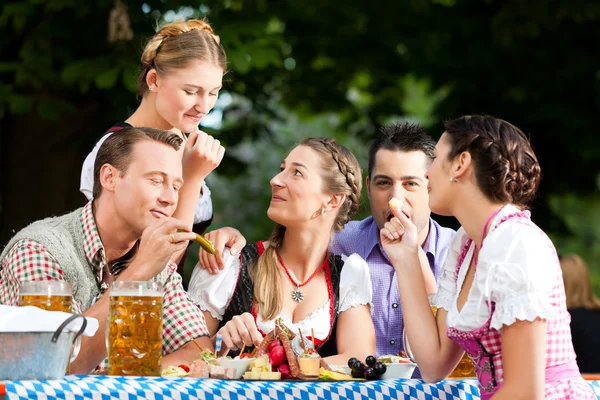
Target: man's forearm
{"type": "Point", "coordinates": [188, 352]}
{"type": "Point", "coordinates": [93, 349]}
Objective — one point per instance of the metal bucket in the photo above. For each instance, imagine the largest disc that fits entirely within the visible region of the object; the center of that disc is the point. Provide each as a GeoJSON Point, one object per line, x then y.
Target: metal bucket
{"type": "Point", "coordinates": [38, 355]}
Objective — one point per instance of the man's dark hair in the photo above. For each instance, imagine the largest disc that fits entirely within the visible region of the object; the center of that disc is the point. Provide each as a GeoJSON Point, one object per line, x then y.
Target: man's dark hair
{"type": "Point", "coordinates": [117, 148]}
{"type": "Point", "coordinates": [401, 137]}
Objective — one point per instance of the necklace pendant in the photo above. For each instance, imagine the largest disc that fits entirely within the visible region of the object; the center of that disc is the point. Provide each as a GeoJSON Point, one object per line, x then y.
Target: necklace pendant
{"type": "Point", "coordinates": [297, 295]}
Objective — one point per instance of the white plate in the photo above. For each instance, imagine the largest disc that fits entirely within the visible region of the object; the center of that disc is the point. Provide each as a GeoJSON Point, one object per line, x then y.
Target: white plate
{"type": "Point", "coordinates": [398, 370]}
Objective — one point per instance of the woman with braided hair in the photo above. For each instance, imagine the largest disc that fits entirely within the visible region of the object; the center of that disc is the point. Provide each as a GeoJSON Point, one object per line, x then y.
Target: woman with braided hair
{"type": "Point", "coordinates": [501, 297]}
{"type": "Point", "coordinates": [182, 71]}
{"type": "Point", "coordinates": [292, 276]}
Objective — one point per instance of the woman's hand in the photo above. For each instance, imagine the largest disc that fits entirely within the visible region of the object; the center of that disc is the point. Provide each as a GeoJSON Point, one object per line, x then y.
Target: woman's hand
{"type": "Point", "coordinates": [399, 237]}
{"type": "Point", "coordinates": [201, 155]}
{"type": "Point", "coordinates": [241, 330]}
{"type": "Point", "coordinates": [220, 238]}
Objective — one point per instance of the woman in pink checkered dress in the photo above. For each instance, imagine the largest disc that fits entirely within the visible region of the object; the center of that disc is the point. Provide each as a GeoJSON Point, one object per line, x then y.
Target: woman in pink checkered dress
{"type": "Point", "coordinates": [501, 296]}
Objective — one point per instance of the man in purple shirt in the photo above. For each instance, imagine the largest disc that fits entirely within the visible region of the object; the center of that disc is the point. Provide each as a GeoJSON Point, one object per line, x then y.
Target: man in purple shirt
{"type": "Point", "coordinates": [398, 160]}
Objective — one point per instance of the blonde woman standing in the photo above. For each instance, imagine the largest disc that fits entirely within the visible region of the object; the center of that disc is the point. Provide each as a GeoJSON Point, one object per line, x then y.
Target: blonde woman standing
{"type": "Point", "coordinates": [182, 72]}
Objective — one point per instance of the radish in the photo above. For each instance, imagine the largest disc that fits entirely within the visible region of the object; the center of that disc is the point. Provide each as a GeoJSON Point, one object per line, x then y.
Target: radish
{"type": "Point", "coordinates": [285, 371]}
{"type": "Point", "coordinates": [277, 356]}
{"type": "Point", "coordinates": [274, 344]}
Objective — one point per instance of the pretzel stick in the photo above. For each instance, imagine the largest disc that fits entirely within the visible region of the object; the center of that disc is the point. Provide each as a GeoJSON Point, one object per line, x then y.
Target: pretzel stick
{"type": "Point", "coordinates": [302, 340]}
{"type": "Point", "coordinates": [197, 345]}
{"type": "Point", "coordinates": [312, 332]}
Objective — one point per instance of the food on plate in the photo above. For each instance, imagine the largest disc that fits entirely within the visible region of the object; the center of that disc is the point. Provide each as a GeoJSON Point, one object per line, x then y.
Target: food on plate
{"type": "Point", "coordinates": [333, 375]}
{"type": "Point", "coordinates": [285, 336]}
{"type": "Point", "coordinates": [200, 369]}
{"type": "Point", "coordinates": [370, 360]}
{"type": "Point", "coordinates": [174, 372]}
{"type": "Point", "coordinates": [371, 369]}
{"type": "Point", "coordinates": [260, 368]}
{"type": "Point", "coordinates": [263, 347]}
{"type": "Point", "coordinates": [220, 372]}
{"type": "Point", "coordinates": [392, 359]}
{"type": "Point", "coordinates": [310, 364]}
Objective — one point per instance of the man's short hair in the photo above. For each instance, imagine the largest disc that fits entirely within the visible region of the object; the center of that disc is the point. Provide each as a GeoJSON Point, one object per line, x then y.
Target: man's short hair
{"type": "Point", "coordinates": [401, 137]}
{"type": "Point", "coordinates": [118, 147]}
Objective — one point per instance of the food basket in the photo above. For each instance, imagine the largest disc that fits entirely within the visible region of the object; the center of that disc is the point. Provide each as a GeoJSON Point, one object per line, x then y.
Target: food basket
{"type": "Point", "coordinates": [39, 355]}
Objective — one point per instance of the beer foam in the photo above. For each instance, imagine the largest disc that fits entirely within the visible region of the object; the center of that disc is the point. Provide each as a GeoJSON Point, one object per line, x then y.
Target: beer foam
{"type": "Point", "coordinates": [45, 294]}
{"type": "Point", "coordinates": [136, 293]}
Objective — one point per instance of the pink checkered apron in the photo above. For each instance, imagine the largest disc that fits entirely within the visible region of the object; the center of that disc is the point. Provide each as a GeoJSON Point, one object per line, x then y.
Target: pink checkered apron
{"type": "Point", "coordinates": [483, 345]}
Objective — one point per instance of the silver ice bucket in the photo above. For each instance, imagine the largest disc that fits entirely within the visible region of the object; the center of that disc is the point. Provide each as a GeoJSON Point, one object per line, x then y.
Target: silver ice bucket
{"type": "Point", "coordinates": [39, 355]}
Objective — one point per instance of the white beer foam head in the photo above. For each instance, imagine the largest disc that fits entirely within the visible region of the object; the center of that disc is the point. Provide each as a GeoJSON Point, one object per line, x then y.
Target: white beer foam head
{"type": "Point", "coordinates": [140, 292]}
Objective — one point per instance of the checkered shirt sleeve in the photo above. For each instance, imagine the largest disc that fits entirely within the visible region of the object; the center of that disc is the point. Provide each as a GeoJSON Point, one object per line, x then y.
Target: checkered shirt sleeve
{"type": "Point", "coordinates": [182, 319]}
{"type": "Point", "coordinates": [27, 260]}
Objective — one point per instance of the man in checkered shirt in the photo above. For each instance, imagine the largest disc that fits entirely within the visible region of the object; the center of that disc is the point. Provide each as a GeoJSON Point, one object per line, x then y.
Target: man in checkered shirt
{"type": "Point", "coordinates": [125, 233]}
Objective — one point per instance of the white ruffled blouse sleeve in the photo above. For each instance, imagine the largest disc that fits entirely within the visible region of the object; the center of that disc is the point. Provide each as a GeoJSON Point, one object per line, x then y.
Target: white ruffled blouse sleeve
{"type": "Point", "coordinates": [520, 267]}
{"type": "Point", "coordinates": [355, 283]}
{"type": "Point", "coordinates": [447, 290]}
{"type": "Point", "coordinates": [204, 208]}
{"type": "Point", "coordinates": [86, 185]}
{"type": "Point", "coordinates": [212, 293]}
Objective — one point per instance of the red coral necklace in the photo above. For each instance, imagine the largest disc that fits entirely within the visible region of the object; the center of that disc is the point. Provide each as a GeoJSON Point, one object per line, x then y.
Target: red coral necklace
{"type": "Point", "coordinates": [298, 294]}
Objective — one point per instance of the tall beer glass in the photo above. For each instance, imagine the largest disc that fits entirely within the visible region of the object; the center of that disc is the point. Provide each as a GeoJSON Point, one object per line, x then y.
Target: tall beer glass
{"type": "Point", "coordinates": [466, 366]}
{"type": "Point", "coordinates": [134, 328]}
{"type": "Point", "coordinates": [47, 295]}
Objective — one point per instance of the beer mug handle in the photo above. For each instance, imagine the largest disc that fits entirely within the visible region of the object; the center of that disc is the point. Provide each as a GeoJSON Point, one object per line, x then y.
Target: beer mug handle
{"type": "Point", "coordinates": [77, 339]}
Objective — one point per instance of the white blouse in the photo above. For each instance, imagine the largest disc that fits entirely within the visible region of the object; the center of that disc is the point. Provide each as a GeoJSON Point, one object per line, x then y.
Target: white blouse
{"type": "Point", "coordinates": [516, 269]}
{"type": "Point", "coordinates": [212, 293]}
{"type": "Point", "coordinates": [204, 209]}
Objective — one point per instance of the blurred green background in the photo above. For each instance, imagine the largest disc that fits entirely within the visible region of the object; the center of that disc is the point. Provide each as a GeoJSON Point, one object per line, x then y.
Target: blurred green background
{"type": "Point", "coordinates": [307, 68]}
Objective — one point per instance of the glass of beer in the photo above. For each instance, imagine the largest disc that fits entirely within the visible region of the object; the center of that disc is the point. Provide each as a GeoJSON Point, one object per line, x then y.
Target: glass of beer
{"type": "Point", "coordinates": [47, 295]}
{"type": "Point", "coordinates": [464, 369]}
{"type": "Point", "coordinates": [134, 329]}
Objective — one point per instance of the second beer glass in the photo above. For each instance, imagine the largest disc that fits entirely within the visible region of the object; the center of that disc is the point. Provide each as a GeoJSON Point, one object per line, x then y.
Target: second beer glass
{"type": "Point", "coordinates": [47, 295]}
{"type": "Point", "coordinates": [135, 329]}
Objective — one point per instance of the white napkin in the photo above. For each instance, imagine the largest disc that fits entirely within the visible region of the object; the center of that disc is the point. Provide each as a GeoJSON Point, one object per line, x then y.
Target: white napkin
{"type": "Point", "coordinates": [33, 319]}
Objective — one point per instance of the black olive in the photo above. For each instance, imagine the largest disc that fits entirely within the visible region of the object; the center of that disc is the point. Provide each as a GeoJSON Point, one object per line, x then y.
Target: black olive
{"type": "Point", "coordinates": [352, 361]}
{"type": "Point", "coordinates": [370, 374]}
{"type": "Point", "coordinates": [380, 368]}
{"type": "Point", "coordinates": [359, 366]}
{"type": "Point", "coordinates": [356, 374]}
{"type": "Point", "coordinates": [370, 361]}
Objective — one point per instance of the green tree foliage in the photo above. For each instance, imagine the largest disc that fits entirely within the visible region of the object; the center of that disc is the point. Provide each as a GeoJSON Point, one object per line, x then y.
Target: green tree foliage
{"type": "Point", "coordinates": [534, 63]}
{"type": "Point", "coordinates": [581, 215]}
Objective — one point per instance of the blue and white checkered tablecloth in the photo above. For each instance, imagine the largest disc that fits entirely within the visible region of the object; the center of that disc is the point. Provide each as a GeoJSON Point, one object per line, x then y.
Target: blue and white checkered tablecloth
{"type": "Point", "coordinates": [133, 388]}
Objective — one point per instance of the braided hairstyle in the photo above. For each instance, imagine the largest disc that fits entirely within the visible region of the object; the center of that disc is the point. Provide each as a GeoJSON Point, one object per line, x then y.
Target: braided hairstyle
{"type": "Point", "coordinates": [176, 44]}
{"type": "Point", "coordinates": [342, 174]}
{"type": "Point", "coordinates": [506, 168]}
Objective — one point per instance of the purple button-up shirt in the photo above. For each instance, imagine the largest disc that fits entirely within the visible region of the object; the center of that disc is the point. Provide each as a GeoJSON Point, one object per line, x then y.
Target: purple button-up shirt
{"type": "Point", "coordinates": [362, 237]}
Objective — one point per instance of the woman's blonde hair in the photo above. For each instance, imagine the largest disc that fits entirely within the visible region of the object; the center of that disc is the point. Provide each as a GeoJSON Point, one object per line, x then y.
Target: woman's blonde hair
{"type": "Point", "coordinates": [341, 174]}
{"type": "Point", "coordinates": [578, 286]}
{"type": "Point", "coordinates": [176, 44]}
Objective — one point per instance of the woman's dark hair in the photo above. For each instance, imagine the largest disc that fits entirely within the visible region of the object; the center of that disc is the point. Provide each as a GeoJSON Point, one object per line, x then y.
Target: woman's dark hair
{"type": "Point", "coordinates": [506, 168]}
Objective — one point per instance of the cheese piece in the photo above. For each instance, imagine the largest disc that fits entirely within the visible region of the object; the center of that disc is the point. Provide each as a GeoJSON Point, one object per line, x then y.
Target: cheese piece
{"type": "Point", "coordinates": [395, 204]}
{"type": "Point", "coordinates": [270, 376]}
